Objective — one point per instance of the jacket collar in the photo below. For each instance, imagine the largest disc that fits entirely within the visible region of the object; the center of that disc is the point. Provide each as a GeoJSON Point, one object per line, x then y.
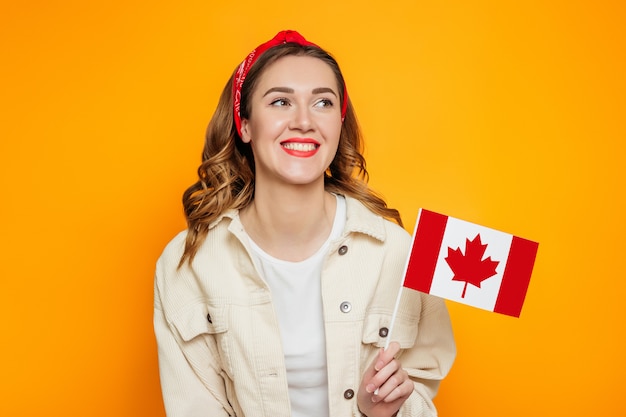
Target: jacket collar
{"type": "Point", "coordinates": [362, 220]}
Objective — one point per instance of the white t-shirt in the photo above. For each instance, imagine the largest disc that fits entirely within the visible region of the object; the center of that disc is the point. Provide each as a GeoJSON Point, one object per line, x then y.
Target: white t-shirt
{"type": "Point", "coordinates": [297, 297]}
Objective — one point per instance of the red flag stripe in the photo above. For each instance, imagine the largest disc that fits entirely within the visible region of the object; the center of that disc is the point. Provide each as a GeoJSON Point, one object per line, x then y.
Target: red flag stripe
{"type": "Point", "coordinates": [516, 277]}
{"type": "Point", "coordinates": [425, 250]}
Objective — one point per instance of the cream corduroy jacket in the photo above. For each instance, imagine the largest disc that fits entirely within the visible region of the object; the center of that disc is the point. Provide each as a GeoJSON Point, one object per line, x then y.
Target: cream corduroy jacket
{"type": "Point", "coordinates": [218, 339]}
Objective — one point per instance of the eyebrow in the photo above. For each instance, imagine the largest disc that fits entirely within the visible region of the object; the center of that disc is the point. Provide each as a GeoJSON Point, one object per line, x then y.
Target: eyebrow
{"type": "Point", "coordinates": [321, 90]}
{"type": "Point", "coordinates": [287, 90]}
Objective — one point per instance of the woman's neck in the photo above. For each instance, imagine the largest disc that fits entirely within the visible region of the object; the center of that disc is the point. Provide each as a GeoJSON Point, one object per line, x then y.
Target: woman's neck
{"type": "Point", "coordinates": [290, 224]}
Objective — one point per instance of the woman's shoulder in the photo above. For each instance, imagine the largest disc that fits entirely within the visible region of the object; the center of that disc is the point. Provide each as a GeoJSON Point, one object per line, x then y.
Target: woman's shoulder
{"type": "Point", "coordinates": [176, 246]}
{"type": "Point", "coordinates": [172, 253]}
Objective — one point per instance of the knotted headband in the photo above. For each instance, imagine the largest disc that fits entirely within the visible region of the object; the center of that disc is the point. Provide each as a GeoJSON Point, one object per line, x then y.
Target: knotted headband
{"type": "Point", "coordinates": [285, 36]}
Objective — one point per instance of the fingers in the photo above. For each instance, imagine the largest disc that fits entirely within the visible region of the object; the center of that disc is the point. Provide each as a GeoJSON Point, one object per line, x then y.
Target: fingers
{"type": "Point", "coordinates": [389, 382]}
{"type": "Point", "coordinates": [386, 356]}
{"type": "Point", "coordinates": [398, 385]}
{"type": "Point", "coordinates": [385, 385]}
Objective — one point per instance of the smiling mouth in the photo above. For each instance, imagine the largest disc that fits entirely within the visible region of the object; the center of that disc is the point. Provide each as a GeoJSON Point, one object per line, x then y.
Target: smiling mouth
{"type": "Point", "coordinates": [301, 147]}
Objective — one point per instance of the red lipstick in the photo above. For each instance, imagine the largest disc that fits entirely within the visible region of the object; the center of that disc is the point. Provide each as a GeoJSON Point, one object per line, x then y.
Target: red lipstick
{"type": "Point", "coordinates": [300, 147]}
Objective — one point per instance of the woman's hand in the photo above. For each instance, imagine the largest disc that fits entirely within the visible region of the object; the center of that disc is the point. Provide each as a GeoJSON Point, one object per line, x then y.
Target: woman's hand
{"type": "Point", "coordinates": [385, 385]}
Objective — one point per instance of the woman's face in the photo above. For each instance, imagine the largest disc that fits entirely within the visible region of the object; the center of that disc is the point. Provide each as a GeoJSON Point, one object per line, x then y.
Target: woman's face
{"type": "Point", "coordinates": [295, 121]}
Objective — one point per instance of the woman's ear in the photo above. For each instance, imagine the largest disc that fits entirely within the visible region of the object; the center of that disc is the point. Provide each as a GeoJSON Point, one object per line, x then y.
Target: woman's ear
{"type": "Point", "coordinates": [245, 131]}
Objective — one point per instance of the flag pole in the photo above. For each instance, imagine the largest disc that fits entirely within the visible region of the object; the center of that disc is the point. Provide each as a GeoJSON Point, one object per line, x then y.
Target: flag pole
{"type": "Point", "coordinates": [406, 267]}
{"type": "Point", "coordinates": [397, 306]}
{"type": "Point", "coordinates": [393, 316]}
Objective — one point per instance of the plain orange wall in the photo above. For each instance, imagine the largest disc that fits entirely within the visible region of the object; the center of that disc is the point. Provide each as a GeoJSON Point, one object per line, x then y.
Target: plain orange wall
{"type": "Point", "coordinates": [508, 114]}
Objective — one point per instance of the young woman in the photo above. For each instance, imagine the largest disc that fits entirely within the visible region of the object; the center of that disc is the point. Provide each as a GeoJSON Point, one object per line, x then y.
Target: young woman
{"type": "Point", "coordinates": [277, 299]}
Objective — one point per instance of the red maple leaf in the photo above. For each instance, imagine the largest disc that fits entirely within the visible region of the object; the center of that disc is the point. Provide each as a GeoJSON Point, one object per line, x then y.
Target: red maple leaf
{"type": "Point", "coordinates": [471, 267]}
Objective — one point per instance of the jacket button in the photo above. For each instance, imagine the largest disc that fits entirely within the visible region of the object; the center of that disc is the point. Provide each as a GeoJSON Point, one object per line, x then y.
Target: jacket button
{"type": "Point", "coordinates": [345, 307]}
{"type": "Point", "coordinates": [343, 250]}
{"type": "Point", "coordinates": [208, 317]}
{"type": "Point", "coordinates": [383, 332]}
{"type": "Point", "coordinates": [348, 394]}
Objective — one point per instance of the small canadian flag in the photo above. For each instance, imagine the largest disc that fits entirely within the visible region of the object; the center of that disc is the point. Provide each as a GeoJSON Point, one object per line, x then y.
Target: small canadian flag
{"type": "Point", "coordinates": [469, 263]}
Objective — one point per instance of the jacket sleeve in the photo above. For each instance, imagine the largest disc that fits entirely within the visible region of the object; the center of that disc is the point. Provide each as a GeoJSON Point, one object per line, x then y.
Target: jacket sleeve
{"type": "Point", "coordinates": [185, 393]}
{"type": "Point", "coordinates": [430, 358]}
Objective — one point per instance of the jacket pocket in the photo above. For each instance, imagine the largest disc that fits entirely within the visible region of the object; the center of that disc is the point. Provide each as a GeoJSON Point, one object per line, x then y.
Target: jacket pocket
{"type": "Point", "coordinates": [377, 329]}
{"type": "Point", "coordinates": [200, 318]}
{"type": "Point", "coordinates": [203, 329]}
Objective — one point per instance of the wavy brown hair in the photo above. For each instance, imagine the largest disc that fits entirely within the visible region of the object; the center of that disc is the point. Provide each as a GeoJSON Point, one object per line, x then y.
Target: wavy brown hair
{"type": "Point", "coordinates": [226, 174]}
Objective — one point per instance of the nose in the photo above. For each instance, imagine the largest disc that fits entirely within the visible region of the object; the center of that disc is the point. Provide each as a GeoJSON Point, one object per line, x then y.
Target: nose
{"type": "Point", "coordinates": [302, 119]}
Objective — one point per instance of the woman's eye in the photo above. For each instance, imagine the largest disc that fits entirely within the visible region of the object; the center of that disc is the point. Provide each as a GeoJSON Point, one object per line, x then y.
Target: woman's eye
{"type": "Point", "coordinates": [280, 102]}
{"type": "Point", "coordinates": [324, 103]}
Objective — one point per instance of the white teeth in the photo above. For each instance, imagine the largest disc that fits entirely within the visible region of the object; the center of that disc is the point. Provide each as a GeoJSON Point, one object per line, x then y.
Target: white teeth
{"type": "Point", "coordinates": [303, 147]}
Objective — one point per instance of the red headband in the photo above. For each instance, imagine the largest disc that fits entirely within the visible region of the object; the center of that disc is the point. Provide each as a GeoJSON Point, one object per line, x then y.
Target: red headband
{"type": "Point", "coordinates": [282, 37]}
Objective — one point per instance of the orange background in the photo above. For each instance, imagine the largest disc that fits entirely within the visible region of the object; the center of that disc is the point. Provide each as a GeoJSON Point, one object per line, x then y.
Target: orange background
{"type": "Point", "coordinates": [508, 114]}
